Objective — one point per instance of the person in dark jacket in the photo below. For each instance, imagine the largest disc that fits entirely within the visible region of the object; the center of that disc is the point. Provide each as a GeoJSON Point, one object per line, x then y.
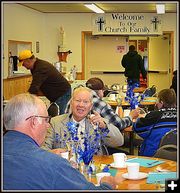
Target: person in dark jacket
{"type": "Point", "coordinates": [133, 64]}
{"type": "Point", "coordinates": [47, 80]}
{"type": "Point", "coordinates": [174, 82]}
{"type": "Point", "coordinates": [156, 123]}
{"type": "Point", "coordinates": [26, 166]}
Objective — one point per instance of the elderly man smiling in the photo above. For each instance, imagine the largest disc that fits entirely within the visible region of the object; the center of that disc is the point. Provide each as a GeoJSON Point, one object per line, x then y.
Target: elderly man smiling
{"type": "Point", "coordinates": [80, 113]}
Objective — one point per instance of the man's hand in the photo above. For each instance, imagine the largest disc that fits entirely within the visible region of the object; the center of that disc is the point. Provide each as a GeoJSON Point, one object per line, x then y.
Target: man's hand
{"type": "Point", "coordinates": [134, 113]}
{"type": "Point", "coordinates": [109, 180]}
{"type": "Point", "coordinates": [97, 119]}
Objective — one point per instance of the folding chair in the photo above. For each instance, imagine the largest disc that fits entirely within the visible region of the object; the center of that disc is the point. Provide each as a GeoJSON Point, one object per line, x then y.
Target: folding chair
{"type": "Point", "coordinates": [150, 92]}
{"type": "Point", "coordinates": [168, 146]}
{"type": "Point", "coordinates": [169, 138]}
{"type": "Point", "coordinates": [53, 109]}
{"type": "Point", "coordinates": [167, 152]}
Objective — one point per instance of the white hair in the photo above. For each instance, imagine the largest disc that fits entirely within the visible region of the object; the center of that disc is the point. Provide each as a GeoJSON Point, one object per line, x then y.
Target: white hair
{"type": "Point", "coordinates": [80, 89]}
{"type": "Point", "coordinates": [18, 109]}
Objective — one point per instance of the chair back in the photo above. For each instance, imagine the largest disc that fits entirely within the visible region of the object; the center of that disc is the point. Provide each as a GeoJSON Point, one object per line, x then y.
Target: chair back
{"type": "Point", "coordinates": [53, 109]}
{"type": "Point", "coordinates": [170, 138]}
{"type": "Point", "coordinates": [104, 150]}
{"type": "Point", "coordinates": [168, 146]}
{"type": "Point", "coordinates": [167, 152]}
{"type": "Point", "coordinates": [149, 92]}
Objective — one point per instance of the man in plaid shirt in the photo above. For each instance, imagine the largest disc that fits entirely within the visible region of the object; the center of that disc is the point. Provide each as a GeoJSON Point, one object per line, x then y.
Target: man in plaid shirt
{"type": "Point", "coordinates": [104, 109]}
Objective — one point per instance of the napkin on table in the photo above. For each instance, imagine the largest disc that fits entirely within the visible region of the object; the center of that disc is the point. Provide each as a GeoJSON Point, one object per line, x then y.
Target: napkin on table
{"type": "Point", "coordinates": [160, 177]}
{"type": "Point", "coordinates": [146, 162]}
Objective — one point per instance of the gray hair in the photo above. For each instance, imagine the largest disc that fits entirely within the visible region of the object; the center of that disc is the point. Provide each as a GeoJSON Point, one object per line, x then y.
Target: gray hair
{"type": "Point", "coordinates": [18, 109]}
{"type": "Point", "coordinates": [80, 89]}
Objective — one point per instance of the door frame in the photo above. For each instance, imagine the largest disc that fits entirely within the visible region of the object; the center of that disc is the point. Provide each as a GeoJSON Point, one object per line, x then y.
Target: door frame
{"type": "Point", "coordinates": [83, 39]}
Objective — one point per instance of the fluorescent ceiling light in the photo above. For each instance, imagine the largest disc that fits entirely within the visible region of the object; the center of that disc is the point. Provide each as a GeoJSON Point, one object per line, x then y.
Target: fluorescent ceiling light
{"type": "Point", "coordinates": [94, 8]}
{"type": "Point", "coordinates": [160, 8]}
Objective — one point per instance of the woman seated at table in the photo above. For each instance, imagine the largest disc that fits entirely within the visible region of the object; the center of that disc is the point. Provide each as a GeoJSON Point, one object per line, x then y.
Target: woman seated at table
{"type": "Point", "coordinates": [156, 123]}
{"type": "Point", "coordinates": [80, 113]}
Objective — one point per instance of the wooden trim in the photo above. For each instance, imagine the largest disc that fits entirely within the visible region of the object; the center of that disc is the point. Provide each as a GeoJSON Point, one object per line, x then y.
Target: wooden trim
{"type": "Point", "coordinates": [79, 76]}
{"type": "Point", "coordinates": [19, 42]}
{"type": "Point", "coordinates": [83, 53]}
{"type": "Point", "coordinates": [171, 33]}
{"type": "Point", "coordinates": [17, 76]}
{"type": "Point", "coordinates": [83, 34]}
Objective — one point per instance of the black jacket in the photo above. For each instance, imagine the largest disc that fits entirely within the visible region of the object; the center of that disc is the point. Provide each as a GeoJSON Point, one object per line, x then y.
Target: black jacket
{"type": "Point", "coordinates": [133, 64]}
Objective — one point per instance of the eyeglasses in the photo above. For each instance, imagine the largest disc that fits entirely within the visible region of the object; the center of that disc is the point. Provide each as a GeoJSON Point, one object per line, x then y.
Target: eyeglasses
{"type": "Point", "coordinates": [77, 101]}
{"type": "Point", "coordinates": [47, 118]}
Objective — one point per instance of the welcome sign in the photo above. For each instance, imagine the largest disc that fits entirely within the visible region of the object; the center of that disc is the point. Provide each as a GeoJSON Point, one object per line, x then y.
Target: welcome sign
{"type": "Point", "coordinates": [127, 23]}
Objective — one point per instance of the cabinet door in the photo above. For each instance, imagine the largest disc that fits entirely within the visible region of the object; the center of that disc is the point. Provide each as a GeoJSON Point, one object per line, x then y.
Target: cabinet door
{"type": "Point", "coordinates": [14, 86]}
{"type": "Point", "coordinates": [28, 82]}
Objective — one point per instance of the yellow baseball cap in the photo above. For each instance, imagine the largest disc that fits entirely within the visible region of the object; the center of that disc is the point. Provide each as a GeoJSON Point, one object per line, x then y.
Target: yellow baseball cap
{"type": "Point", "coordinates": [25, 54]}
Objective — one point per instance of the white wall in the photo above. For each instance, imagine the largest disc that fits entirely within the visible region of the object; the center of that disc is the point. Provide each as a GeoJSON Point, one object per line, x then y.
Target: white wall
{"type": "Point", "coordinates": [73, 25]}
{"type": "Point", "coordinates": [24, 24]}
{"type": "Point", "coordinates": [21, 24]}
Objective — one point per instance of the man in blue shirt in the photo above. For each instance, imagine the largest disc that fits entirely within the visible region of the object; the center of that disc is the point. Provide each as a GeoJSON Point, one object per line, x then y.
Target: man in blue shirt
{"type": "Point", "coordinates": [25, 165]}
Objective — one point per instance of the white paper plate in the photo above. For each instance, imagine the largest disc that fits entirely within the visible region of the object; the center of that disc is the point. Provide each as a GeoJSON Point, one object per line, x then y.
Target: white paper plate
{"type": "Point", "coordinates": [141, 176]}
{"type": "Point", "coordinates": [114, 166]}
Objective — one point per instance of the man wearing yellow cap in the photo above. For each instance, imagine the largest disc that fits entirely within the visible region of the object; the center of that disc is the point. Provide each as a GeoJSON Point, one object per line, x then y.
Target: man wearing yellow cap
{"type": "Point", "coordinates": [46, 79]}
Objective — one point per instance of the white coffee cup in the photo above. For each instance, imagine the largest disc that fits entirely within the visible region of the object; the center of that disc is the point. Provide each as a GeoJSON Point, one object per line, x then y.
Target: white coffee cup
{"type": "Point", "coordinates": [133, 170]}
{"type": "Point", "coordinates": [126, 112]}
{"type": "Point", "coordinates": [101, 175]}
{"type": "Point", "coordinates": [112, 97]}
{"type": "Point", "coordinates": [119, 160]}
{"type": "Point", "coordinates": [65, 155]}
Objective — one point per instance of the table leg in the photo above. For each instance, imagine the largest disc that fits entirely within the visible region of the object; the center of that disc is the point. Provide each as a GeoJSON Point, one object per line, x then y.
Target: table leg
{"type": "Point", "coordinates": [131, 143]}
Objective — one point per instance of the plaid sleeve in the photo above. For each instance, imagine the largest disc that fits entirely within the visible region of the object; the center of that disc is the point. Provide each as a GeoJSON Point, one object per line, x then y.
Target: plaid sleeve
{"type": "Point", "coordinates": [108, 113]}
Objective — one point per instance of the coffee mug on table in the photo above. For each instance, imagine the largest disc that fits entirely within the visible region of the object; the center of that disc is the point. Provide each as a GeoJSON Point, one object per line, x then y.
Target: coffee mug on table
{"type": "Point", "coordinates": [119, 159]}
{"type": "Point", "coordinates": [133, 170]}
